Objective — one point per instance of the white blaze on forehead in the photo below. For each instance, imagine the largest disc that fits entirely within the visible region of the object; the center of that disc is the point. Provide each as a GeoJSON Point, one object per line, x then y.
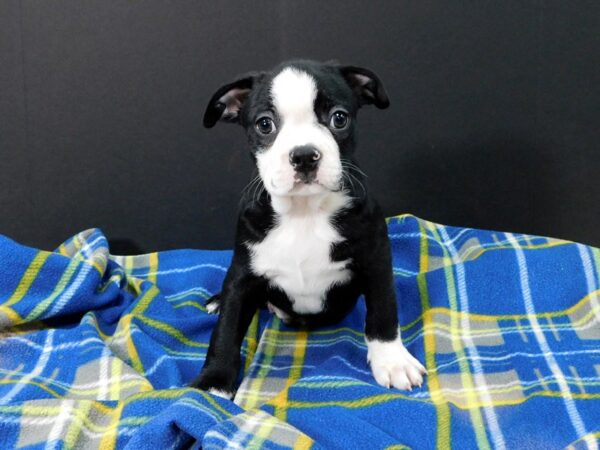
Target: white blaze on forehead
{"type": "Point", "coordinates": [294, 92]}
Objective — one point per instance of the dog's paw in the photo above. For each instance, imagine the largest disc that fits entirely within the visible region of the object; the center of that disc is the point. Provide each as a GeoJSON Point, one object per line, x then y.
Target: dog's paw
{"type": "Point", "coordinates": [214, 383]}
{"type": "Point", "coordinates": [213, 304]}
{"type": "Point", "coordinates": [219, 393]}
{"type": "Point", "coordinates": [393, 366]}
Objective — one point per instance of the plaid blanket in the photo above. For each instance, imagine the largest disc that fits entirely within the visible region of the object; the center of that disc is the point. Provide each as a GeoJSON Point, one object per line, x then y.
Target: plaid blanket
{"type": "Point", "coordinates": [96, 351]}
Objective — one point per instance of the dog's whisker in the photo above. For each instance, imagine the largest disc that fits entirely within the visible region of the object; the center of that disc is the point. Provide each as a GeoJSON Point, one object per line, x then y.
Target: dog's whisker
{"type": "Point", "coordinates": [359, 183]}
{"type": "Point", "coordinates": [345, 180]}
{"type": "Point", "coordinates": [253, 193]}
{"type": "Point", "coordinates": [247, 190]}
{"type": "Point", "coordinates": [250, 184]}
{"type": "Point", "coordinates": [350, 182]}
{"type": "Point", "coordinates": [350, 168]}
{"type": "Point", "coordinates": [350, 165]}
{"type": "Point", "coordinates": [357, 169]}
{"type": "Point", "coordinates": [252, 181]}
{"type": "Point", "coordinates": [257, 185]}
{"type": "Point", "coordinates": [258, 190]}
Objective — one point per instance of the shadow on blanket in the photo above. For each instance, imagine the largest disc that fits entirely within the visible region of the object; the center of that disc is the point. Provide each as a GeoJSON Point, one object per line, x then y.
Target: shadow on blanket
{"type": "Point", "coordinates": [96, 350]}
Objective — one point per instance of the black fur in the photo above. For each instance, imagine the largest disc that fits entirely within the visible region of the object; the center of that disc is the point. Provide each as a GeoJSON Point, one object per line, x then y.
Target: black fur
{"type": "Point", "coordinates": [361, 224]}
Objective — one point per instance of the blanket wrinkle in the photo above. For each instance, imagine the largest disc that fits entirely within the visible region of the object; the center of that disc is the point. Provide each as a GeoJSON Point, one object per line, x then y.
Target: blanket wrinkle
{"type": "Point", "coordinates": [96, 351]}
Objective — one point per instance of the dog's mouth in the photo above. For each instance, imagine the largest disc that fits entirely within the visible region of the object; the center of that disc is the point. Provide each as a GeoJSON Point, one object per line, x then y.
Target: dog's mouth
{"type": "Point", "coordinates": [302, 184]}
{"type": "Point", "coordinates": [302, 187]}
{"type": "Point", "coordinates": [305, 178]}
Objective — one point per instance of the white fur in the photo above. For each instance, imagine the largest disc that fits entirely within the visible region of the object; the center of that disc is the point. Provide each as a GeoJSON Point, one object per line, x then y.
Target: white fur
{"type": "Point", "coordinates": [293, 93]}
{"type": "Point", "coordinates": [220, 393]}
{"type": "Point", "coordinates": [213, 307]}
{"type": "Point", "coordinates": [393, 366]}
{"type": "Point", "coordinates": [295, 254]}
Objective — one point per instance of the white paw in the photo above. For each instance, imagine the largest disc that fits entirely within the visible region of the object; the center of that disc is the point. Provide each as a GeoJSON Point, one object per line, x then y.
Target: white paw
{"type": "Point", "coordinates": [213, 304]}
{"type": "Point", "coordinates": [393, 366]}
{"type": "Point", "coordinates": [220, 393]}
{"type": "Point", "coordinates": [212, 307]}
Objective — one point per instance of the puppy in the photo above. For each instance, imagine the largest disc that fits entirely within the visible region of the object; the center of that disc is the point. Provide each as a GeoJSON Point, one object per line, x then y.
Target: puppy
{"type": "Point", "coordinates": [310, 239]}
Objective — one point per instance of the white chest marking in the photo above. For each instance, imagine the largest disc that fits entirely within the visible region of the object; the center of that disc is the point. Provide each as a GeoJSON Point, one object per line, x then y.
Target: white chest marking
{"type": "Point", "coordinates": [295, 254]}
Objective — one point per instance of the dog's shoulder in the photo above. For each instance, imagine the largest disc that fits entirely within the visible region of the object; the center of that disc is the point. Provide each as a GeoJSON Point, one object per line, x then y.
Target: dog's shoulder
{"type": "Point", "coordinates": [362, 225]}
{"type": "Point", "coordinates": [360, 217]}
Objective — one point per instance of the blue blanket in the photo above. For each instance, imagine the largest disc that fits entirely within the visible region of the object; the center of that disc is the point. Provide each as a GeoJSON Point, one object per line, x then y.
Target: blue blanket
{"type": "Point", "coordinates": [96, 351]}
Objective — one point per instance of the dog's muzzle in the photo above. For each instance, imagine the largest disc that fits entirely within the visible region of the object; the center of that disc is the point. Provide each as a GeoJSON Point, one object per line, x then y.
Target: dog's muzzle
{"type": "Point", "coordinates": [305, 161]}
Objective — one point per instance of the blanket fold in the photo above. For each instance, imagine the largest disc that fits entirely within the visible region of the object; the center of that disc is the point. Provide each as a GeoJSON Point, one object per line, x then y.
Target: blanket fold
{"type": "Point", "coordinates": [96, 351]}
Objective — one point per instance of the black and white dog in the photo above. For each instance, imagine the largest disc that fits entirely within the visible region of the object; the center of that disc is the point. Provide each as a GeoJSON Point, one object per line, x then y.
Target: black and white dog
{"type": "Point", "coordinates": [310, 240]}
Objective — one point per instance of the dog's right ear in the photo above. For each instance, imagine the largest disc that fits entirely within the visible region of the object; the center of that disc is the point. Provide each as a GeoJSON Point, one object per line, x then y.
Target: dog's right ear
{"type": "Point", "coordinates": [227, 102]}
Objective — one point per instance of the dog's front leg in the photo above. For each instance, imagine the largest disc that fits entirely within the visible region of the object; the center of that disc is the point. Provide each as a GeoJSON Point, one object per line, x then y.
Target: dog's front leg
{"type": "Point", "coordinates": [237, 305]}
{"type": "Point", "coordinates": [392, 365]}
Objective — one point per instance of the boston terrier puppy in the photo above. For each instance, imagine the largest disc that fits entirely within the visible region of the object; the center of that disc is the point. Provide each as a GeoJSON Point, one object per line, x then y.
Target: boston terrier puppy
{"type": "Point", "coordinates": [310, 239]}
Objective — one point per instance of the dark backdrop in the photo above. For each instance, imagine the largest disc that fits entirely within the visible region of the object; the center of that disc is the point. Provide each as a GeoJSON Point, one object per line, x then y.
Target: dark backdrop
{"type": "Point", "coordinates": [495, 117]}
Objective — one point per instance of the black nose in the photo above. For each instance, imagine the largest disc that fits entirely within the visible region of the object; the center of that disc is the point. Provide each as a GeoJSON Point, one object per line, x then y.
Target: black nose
{"type": "Point", "coordinates": [305, 158]}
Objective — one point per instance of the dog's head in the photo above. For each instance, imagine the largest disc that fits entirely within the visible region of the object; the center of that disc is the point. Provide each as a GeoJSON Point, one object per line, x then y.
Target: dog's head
{"type": "Point", "coordinates": [300, 120]}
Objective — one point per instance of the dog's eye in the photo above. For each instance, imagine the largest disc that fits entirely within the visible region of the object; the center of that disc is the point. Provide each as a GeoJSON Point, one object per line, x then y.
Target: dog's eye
{"type": "Point", "coordinates": [265, 125]}
{"type": "Point", "coordinates": [338, 120]}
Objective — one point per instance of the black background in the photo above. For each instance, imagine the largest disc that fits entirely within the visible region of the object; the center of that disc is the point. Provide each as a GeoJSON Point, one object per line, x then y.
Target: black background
{"type": "Point", "coordinates": [494, 123]}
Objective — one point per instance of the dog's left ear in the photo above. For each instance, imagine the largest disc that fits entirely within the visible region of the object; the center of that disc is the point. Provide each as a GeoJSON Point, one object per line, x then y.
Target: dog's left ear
{"type": "Point", "coordinates": [226, 103]}
{"type": "Point", "coordinates": [367, 86]}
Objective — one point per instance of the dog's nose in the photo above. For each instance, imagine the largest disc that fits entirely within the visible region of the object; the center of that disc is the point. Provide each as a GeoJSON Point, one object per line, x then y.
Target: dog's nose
{"type": "Point", "coordinates": [305, 158]}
